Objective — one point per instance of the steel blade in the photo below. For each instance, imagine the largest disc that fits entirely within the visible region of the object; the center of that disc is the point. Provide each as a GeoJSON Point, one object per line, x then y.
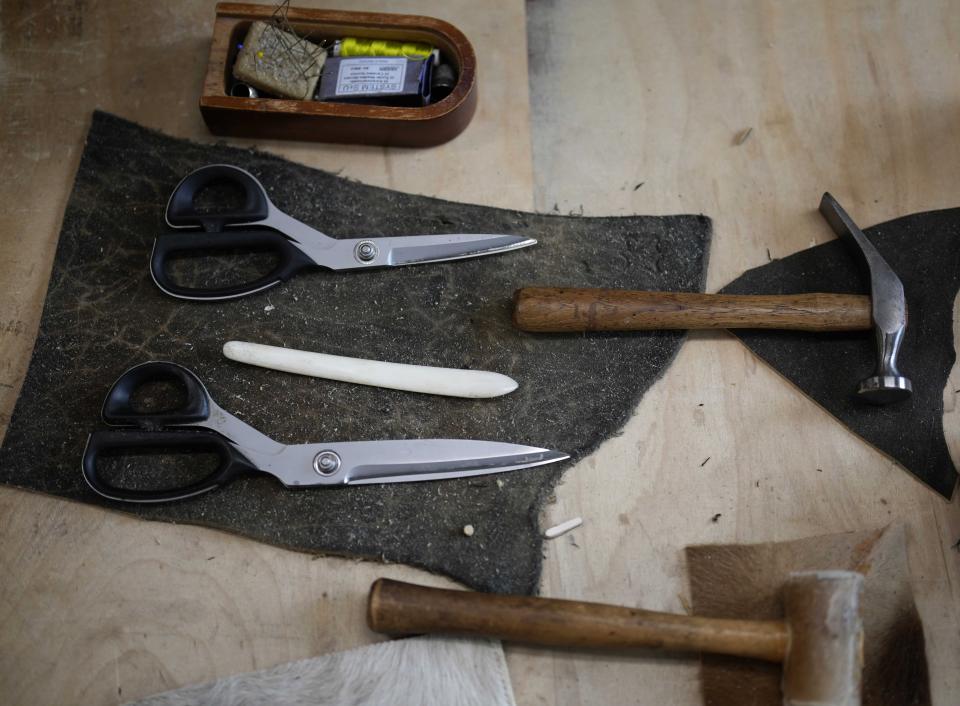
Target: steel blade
{"type": "Point", "coordinates": [439, 248]}
{"type": "Point", "coordinates": [352, 254]}
{"type": "Point", "coordinates": [400, 461]}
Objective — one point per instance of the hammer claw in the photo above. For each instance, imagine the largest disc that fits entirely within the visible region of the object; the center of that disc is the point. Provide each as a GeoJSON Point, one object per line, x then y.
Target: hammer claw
{"type": "Point", "coordinates": [888, 308]}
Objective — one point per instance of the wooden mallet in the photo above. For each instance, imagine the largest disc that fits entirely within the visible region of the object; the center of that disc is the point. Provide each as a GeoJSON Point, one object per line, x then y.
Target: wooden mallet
{"type": "Point", "coordinates": [819, 641]}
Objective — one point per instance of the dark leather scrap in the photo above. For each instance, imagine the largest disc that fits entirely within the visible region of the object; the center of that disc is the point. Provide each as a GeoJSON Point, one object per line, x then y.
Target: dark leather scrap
{"type": "Point", "coordinates": [924, 250]}
{"type": "Point", "coordinates": [103, 314]}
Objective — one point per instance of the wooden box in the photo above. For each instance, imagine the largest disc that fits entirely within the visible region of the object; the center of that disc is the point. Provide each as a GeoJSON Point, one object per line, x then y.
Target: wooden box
{"type": "Point", "coordinates": [271, 118]}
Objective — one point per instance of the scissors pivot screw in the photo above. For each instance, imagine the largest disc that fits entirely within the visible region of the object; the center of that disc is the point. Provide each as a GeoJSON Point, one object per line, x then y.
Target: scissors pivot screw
{"type": "Point", "coordinates": [326, 463]}
{"type": "Point", "coordinates": [365, 251]}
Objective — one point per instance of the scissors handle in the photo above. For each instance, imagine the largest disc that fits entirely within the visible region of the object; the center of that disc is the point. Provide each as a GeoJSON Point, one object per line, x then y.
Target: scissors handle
{"type": "Point", "coordinates": [182, 211]}
{"type": "Point", "coordinates": [119, 408]}
{"type": "Point", "coordinates": [231, 463]}
{"type": "Point", "coordinates": [289, 260]}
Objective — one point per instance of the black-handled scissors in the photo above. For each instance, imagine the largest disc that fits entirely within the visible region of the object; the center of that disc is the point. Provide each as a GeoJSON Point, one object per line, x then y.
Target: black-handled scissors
{"type": "Point", "coordinates": [259, 225]}
{"type": "Point", "coordinates": [198, 425]}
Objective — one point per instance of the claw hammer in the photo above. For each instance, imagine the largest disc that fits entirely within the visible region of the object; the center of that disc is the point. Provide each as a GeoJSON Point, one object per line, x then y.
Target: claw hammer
{"type": "Point", "coordinates": [542, 309]}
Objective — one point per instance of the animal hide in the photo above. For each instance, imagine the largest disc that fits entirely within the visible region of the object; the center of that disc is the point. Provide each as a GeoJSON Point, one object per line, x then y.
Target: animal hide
{"type": "Point", "coordinates": [924, 250]}
{"type": "Point", "coordinates": [746, 581]}
{"type": "Point", "coordinates": [426, 671]}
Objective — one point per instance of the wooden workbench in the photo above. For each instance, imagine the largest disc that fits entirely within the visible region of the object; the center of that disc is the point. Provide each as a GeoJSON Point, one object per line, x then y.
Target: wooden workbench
{"type": "Point", "coordinates": [858, 98]}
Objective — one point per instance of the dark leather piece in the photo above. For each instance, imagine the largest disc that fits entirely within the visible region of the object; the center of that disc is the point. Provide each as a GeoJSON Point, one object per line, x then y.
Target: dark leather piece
{"type": "Point", "coordinates": [103, 314]}
{"type": "Point", "coordinates": [924, 250]}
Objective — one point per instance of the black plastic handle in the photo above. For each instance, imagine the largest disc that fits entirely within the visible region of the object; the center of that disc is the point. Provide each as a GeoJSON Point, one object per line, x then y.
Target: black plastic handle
{"type": "Point", "coordinates": [290, 260]}
{"type": "Point", "coordinates": [232, 464]}
{"type": "Point", "coordinates": [181, 211]}
{"type": "Point", "coordinates": [118, 408]}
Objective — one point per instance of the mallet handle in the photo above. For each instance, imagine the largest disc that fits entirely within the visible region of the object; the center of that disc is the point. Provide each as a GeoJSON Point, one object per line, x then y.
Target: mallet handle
{"type": "Point", "coordinates": [556, 310]}
{"type": "Point", "coordinates": [401, 608]}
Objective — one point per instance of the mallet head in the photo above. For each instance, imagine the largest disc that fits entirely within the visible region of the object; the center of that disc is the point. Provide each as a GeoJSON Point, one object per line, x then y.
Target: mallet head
{"type": "Point", "coordinates": [824, 661]}
{"type": "Point", "coordinates": [889, 309]}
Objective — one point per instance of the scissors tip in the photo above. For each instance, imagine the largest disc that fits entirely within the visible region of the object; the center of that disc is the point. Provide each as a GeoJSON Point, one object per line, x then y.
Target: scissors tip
{"type": "Point", "coordinates": [421, 249]}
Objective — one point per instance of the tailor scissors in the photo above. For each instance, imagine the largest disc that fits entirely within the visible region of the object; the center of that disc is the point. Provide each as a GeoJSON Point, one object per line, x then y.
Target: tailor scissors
{"type": "Point", "coordinates": [258, 225]}
{"type": "Point", "coordinates": [199, 425]}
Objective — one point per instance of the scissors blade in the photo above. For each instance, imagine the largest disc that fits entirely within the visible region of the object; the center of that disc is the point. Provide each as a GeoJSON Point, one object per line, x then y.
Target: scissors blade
{"type": "Point", "coordinates": [439, 248]}
{"type": "Point", "coordinates": [401, 461]}
{"type": "Point", "coordinates": [357, 253]}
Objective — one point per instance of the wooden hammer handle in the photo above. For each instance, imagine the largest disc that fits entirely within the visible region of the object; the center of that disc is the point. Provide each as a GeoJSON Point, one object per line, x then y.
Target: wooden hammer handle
{"type": "Point", "coordinates": [401, 608]}
{"type": "Point", "coordinates": [556, 310]}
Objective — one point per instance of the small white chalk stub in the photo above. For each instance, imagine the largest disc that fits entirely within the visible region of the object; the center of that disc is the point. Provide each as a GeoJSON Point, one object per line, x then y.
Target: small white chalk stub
{"type": "Point", "coordinates": [563, 528]}
{"type": "Point", "coordinates": [468, 530]}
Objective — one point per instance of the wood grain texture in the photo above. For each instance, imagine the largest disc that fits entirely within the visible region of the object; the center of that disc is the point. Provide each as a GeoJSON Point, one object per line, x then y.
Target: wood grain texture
{"type": "Point", "coordinates": [857, 97]}
{"type": "Point", "coordinates": [399, 608]}
{"type": "Point", "coordinates": [551, 309]}
{"type": "Point", "coordinates": [854, 97]}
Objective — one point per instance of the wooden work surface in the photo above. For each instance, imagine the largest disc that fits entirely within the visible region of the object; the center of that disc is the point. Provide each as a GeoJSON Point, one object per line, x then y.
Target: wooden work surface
{"type": "Point", "coordinates": [632, 108]}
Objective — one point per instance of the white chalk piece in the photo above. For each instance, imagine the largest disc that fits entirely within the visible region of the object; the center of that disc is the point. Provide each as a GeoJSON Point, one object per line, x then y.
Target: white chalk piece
{"type": "Point", "coordinates": [563, 528]}
{"type": "Point", "coordinates": [396, 376]}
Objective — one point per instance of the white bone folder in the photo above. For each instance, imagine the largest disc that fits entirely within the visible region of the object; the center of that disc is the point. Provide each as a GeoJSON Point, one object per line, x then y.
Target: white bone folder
{"type": "Point", "coordinates": [396, 376]}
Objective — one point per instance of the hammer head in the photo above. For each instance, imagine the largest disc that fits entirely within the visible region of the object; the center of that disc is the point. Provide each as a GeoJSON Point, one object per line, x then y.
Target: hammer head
{"type": "Point", "coordinates": [889, 309]}
{"type": "Point", "coordinates": [824, 661]}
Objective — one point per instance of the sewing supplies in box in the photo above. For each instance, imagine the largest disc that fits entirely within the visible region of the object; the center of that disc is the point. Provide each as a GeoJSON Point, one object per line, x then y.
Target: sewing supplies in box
{"type": "Point", "coordinates": [266, 67]}
{"type": "Point", "coordinates": [274, 62]}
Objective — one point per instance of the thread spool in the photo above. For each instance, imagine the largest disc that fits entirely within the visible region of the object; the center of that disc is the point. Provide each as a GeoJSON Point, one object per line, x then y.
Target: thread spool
{"type": "Point", "coordinates": [352, 46]}
{"type": "Point", "coordinates": [442, 82]}
{"type": "Point", "coordinates": [242, 90]}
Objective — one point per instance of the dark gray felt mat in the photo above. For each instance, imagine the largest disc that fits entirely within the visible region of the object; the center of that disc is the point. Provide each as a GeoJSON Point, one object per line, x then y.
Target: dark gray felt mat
{"type": "Point", "coordinates": [924, 250]}
{"type": "Point", "coordinates": [103, 314]}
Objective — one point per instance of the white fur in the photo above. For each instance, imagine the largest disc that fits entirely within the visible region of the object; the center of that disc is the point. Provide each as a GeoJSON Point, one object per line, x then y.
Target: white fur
{"type": "Point", "coordinates": [426, 671]}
